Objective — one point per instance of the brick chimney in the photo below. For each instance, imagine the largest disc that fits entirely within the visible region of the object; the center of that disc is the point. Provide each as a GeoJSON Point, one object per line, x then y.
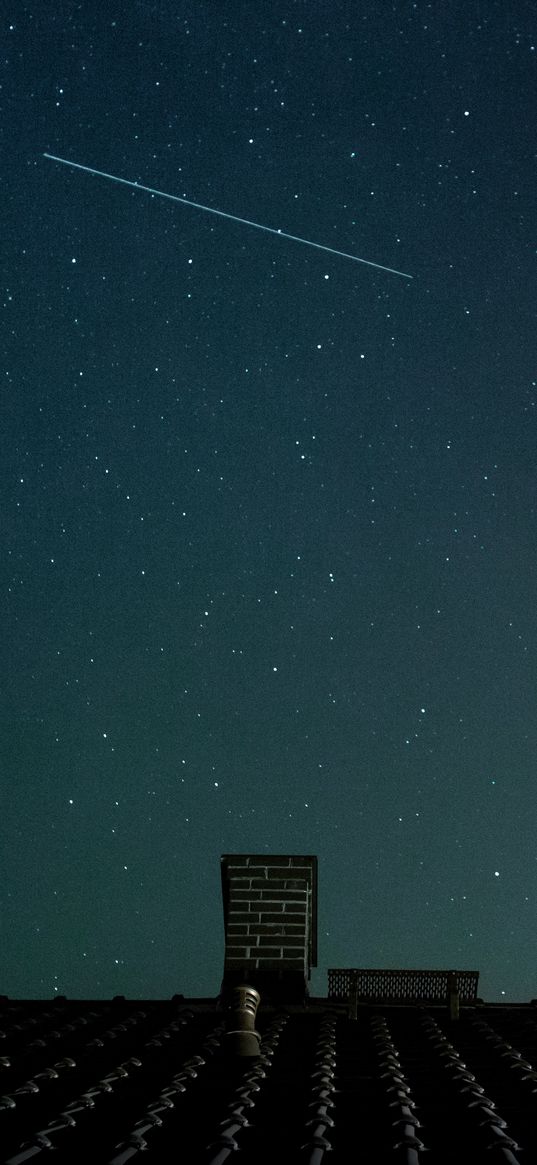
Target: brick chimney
{"type": "Point", "coordinates": [270, 921]}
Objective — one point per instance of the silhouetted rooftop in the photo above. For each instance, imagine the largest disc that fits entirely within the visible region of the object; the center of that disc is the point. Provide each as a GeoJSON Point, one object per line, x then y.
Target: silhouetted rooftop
{"type": "Point", "coordinates": [394, 1065]}
{"type": "Point", "coordinates": [105, 1082]}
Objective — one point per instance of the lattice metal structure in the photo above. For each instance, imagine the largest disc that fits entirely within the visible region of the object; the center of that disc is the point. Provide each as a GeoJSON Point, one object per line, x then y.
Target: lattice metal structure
{"type": "Point", "coordinates": [380, 985]}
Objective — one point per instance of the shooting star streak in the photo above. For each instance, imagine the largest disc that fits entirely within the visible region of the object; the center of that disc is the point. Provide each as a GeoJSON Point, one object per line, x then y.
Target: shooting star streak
{"type": "Point", "coordinates": [224, 214]}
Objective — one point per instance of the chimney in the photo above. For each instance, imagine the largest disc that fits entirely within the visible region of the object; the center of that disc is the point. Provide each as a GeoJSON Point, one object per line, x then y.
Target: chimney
{"type": "Point", "coordinates": [270, 921]}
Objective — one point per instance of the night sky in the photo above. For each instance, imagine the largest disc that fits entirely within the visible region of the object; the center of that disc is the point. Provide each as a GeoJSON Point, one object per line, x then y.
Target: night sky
{"type": "Point", "coordinates": [269, 515]}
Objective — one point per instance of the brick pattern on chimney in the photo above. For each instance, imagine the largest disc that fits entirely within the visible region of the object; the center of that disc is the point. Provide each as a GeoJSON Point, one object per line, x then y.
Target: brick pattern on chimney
{"type": "Point", "coordinates": [269, 913]}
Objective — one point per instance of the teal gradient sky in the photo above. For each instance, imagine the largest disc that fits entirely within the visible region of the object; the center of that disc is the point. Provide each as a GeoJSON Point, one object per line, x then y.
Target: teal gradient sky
{"type": "Point", "coordinates": [270, 542]}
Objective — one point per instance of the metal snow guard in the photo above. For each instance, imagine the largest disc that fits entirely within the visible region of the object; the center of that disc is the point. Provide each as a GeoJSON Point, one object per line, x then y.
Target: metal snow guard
{"type": "Point", "coordinates": [379, 985]}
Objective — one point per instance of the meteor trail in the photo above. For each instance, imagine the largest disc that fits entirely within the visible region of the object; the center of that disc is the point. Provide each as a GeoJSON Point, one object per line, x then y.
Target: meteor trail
{"type": "Point", "coordinates": [223, 214]}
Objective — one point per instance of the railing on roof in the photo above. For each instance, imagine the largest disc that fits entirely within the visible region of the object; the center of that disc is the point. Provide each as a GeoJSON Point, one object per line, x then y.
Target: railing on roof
{"type": "Point", "coordinates": [401, 986]}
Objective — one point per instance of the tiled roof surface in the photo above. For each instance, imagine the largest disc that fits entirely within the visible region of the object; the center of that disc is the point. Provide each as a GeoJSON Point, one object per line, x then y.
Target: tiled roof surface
{"type": "Point", "coordinates": [107, 1081]}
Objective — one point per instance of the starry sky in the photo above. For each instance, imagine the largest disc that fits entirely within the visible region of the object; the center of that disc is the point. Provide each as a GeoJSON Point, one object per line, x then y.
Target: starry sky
{"type": "Point", "coordinates": [269, 528]}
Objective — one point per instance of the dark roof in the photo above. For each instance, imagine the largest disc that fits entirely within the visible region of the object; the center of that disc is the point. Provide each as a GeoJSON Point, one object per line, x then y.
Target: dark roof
{"type": "Point", "coordinates": [105, 1081]}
